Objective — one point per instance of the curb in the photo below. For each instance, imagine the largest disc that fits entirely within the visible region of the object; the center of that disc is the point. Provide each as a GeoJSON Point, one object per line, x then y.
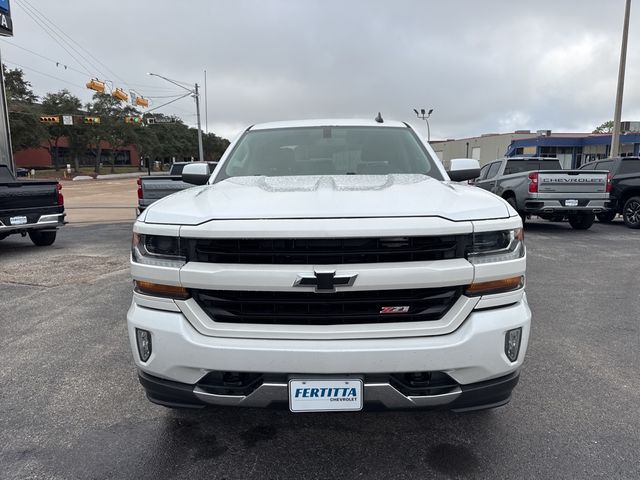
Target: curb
{"type": "Point", "coordinates": [128, 175]}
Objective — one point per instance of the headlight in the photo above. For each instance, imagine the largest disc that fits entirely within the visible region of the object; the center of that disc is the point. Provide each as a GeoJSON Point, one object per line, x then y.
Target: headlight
{"type": "Point", "coordinates": [159, 250]}
{"type": "Point", "coordinates": [498, 246]}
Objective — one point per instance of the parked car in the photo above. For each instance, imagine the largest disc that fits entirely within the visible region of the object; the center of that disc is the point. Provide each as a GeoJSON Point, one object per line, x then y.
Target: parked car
{"type": "Point", "coordinates": [328, 264]}
{"type": "Point", "coordinates": [625, 188]}
{"type": "Point", "coordinates": [30, 207]}
{"type": "Point", "coordinates": [539, 186]}
{"type": "Point", "coordinates": [153, 188]}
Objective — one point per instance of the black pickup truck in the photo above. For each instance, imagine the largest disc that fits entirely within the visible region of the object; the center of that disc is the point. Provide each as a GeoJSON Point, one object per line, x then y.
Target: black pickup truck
{"type": "Point", "coordinates": [30, 207]}
{"type": "Point", "coordinates": [625, 188]}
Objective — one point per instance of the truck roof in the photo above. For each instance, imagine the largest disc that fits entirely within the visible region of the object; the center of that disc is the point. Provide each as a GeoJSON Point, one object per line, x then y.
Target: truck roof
{"type": "Point", "coordinates": [536, 159]}
{"type": "Point", "coordinates": [327, 122]}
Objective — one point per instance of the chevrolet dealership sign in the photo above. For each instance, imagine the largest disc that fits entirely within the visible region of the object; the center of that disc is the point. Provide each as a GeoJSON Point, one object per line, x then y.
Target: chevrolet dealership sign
{"type": "Point", "coordinates": [6, 25]}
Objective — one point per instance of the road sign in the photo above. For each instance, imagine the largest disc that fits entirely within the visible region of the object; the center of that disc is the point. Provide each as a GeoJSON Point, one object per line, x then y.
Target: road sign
{"type": "Point", "coordinates": [160, 120]}
{"type": "Point", "coordinates": [6, 25]}
{"type": "Point", "coordinates": [67, 119]}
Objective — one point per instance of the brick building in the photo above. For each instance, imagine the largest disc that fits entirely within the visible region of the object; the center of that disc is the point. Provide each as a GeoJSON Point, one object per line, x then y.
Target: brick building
{"type": "Point", "coordinates": [42, 157]}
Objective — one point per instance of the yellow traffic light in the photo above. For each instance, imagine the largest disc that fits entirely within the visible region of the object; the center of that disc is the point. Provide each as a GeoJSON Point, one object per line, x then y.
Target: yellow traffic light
{"type": "Point", "coordinates": [120, 95]}
{"type": "Point", "coordinates": [142, 102]}
{"type": "Point", "coordinates": [49, 119]}
{"type": "Point", "coordinates": [97, 85]}
{"type": "Point", "coordinates": [92, 120]}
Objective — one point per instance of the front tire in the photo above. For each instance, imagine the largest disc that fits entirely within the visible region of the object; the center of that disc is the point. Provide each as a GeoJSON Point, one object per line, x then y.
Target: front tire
{"type": "Point", "coordinates": [43, 239]}
{"type": "Point", "coordinates": [631, 212]}
{"type": "Point", "coordinates": [582, 221]}
{"type": "Point", "coordinates": [606, 217]}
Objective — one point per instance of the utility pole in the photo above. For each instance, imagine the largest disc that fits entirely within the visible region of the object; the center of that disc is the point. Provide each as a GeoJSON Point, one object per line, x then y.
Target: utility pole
{"type": "Point", "coordinates": [194, 93]}
{"type": "Point", "coordinates": [200, 150]}
{"type": "Point", "coordinates": [617, 116]}
{"type": "Point", "coordinates": [206, 105]}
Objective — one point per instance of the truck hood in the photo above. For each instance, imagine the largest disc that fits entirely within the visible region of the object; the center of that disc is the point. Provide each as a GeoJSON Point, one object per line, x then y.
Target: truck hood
{"type": "Point", "coordinates": [339, 196]}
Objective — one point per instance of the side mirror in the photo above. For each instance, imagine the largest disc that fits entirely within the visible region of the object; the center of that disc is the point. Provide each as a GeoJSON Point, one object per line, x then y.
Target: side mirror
{"type": "Point", "coordinates": [196, 173]}
{"type": "Point", "coordinates": [462, 169]}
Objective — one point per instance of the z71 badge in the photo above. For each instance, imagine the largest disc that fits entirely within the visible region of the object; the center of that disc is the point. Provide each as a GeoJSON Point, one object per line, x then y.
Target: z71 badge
{"type": "Point", "coordinates": [403, 309]}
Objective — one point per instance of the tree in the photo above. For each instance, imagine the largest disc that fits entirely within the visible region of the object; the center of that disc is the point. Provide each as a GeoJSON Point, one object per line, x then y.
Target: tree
{"type": "Point", "coordinates": [60, 103]}
{"type": "Point", "coordinates": [606, 127]}
{"type": "Point", "coordinates": [177, 140]}
{"type": "Point", "coordinates": [106, 108]}
{"type": "Point", "coordinates": [146, 143]}
{"type": "Point", "coordinates": [26, 129]}
{"type": "Point", "coordinates": [120, 133]}
{"type": "Point", "coordinates": [214, 146]}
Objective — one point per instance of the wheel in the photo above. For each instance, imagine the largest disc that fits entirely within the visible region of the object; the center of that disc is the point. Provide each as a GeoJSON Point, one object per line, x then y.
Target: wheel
{"type": "Point", "coordinates": [512, 201]}
{"type": "Point", "coordinates": [582, 221]}
{"type": "Point", "coordinates": [606, 217]}
{"type": "Point", "coordinates": [631, 212]}
{"type": "Point", "coordinates": [43, 238]}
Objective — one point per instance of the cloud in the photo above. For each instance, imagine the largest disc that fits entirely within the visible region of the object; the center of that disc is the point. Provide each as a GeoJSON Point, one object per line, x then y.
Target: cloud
{"type": "Point", "coordinates": [482, 66]}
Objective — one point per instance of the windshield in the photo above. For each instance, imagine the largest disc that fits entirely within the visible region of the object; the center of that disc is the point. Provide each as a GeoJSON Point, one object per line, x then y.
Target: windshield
{"type": "Point", "coordinates": [518, 166]}
{"type": "Point", "coordinates": [329, 151]}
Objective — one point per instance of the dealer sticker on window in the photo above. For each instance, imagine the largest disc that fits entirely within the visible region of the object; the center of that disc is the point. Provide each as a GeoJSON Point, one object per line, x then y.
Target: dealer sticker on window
{"type": "Point", "coordinates": [317, 395]}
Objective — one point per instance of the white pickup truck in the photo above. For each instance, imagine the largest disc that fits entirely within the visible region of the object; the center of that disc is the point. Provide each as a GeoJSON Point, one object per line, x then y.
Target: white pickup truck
{"type": "Point", "coordinates": [329, 265]}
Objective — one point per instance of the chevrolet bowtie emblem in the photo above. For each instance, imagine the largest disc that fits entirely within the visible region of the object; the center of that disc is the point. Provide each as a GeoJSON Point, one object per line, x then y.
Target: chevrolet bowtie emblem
{"type": "Point", "coordinates": [325, 281]}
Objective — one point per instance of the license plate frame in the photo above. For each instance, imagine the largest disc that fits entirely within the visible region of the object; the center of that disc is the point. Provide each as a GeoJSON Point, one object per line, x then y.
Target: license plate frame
{"type": "Point", "coordinates": [334, 394]}
{"type": "Point", "coordinates": [18, 220]}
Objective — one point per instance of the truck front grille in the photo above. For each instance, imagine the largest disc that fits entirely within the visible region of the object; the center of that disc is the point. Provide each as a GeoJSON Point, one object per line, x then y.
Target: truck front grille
{"type": "Point", "coordinates": [327, 251]}
{"type": "Point", "coordinates": [339, 308]}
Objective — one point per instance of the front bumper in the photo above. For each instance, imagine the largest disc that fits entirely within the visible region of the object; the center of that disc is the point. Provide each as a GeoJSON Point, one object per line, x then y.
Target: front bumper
{"type": "Point", "coordinates": [471, 355]}
{"type": "Point", "coordinates": [476, 396]}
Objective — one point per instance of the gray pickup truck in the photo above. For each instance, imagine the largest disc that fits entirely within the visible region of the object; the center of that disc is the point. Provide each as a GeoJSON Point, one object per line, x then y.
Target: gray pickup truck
{"type": "Point", "coordinates": [153, 188]}
{"type": "Point", "coordinates": [539, 186]}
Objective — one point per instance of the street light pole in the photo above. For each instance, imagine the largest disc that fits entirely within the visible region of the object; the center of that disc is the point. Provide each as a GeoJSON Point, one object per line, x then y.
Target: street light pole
{"type": "Point", "coordinates": [615, 136]}
{"type": "Point", "coordinates": [424, 115]}
{"type": "Point", "coordinates": [196, 96]}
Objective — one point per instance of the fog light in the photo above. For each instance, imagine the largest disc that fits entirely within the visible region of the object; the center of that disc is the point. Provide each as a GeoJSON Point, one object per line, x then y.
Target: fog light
{"type": "Point", "coordinates": [512, 343]}
{"type": "Point", "coordinates": [143, 338]}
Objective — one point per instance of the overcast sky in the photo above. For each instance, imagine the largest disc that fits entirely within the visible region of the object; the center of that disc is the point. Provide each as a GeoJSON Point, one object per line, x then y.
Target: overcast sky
{"type": "Point", "coordinates": [491, 66]}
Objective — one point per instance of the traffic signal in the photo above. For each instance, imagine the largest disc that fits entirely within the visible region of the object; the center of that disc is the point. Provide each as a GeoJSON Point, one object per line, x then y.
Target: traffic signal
{"type": "Point", "coordinates": [135, 120]}
{"type": "Point", "coordinates": [97, 85]}
{"type": "Point", "coordinates": [92, 120]}
{"type": "Point", "coordinates": [49, 119]}
{"type": "Point", "coordinates": [141, 102]}
{"type": "Point", "coordinates": [120, 95]}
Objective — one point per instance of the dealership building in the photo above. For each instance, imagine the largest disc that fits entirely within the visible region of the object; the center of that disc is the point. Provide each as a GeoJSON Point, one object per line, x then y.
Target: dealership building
{"type": "Point", "coordinates": [572, 149]}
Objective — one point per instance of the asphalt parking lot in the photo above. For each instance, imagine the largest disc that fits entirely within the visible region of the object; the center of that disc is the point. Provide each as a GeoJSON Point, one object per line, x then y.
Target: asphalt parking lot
{"type": "Point", "coordinates": [71, 406]}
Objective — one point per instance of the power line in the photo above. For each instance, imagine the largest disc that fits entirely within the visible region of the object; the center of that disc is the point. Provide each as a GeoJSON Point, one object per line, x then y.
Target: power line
{"type": "Point", "coordinates": [44, 23]}
{"type": "Point", "coordinates": [42, 73]}
{"type": "Point", "coordinates": [58, 63]}
{"type": "Point", "coordinates": [47, 19]}
{"type": "Point", "coordinates": [44, 28]}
